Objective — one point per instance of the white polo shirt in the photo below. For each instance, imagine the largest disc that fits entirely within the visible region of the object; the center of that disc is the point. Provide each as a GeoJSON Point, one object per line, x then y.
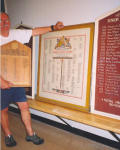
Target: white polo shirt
{"type": "Point", "coordinates": [22, 36]}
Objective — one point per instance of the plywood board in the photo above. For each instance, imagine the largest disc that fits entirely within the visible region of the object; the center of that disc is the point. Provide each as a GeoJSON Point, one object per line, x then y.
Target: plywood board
{"type": "Point", "coordinates": [16, 64]}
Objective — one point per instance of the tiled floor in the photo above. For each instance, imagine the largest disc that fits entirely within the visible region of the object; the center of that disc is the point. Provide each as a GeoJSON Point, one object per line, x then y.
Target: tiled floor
{"type": "Point", "coordinates": [55, 139]}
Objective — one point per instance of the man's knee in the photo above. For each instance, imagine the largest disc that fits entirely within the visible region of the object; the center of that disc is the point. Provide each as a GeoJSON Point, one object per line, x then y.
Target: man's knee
{"type": "Point", "coordinates": [23, 106]}
{"type": "Point", "coordinates": [4, 114]}
{"type": "Point", "coordinates": [4, 110]}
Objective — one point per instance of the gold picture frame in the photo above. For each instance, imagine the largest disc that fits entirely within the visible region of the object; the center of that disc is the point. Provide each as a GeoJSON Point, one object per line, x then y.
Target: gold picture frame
{"type": "Point", "coordinates": [64, 67]}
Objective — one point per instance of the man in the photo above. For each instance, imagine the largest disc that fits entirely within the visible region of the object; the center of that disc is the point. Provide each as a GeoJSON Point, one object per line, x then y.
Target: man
{"type": "Point", "coordinates": [10, 94]}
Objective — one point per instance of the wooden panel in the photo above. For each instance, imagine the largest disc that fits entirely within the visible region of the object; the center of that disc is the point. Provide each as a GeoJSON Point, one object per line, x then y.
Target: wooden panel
{"type": "Point", "coordinates": [82, 117]}
{"type": "Point", "coordinates": [106, 65]}
{"type": "Point", "coordinates": [16, 63]}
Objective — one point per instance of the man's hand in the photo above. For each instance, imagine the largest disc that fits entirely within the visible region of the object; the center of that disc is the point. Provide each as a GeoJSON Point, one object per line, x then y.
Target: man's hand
{"type": "Point", "coordinates": [4, 84]}
{"type": "Point", "coordinates": [58, 26]}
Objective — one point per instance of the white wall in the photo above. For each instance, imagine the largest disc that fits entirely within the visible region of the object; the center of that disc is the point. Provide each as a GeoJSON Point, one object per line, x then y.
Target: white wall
{"type": "Point", "coordinates": [46, 12]}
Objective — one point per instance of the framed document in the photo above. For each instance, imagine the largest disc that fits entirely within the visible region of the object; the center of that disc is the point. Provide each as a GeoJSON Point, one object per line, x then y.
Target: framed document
{"type": "Point", "coordinates": [64, 71]}
{"type": "Point", "coordinates": [106, 66]}
{"type": "Point", "coordinates": [16, 64]}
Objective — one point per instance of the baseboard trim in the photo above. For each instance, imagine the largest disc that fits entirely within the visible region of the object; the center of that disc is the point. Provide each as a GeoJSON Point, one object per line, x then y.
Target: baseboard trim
{"type": "Point", "coordinates": [73, 130]}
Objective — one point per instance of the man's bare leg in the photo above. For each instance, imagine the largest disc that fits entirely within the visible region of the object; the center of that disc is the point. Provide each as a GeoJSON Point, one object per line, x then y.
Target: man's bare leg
{"type": "Point", "coordinates": [5, 122]}
{"type": "Point", "coordinates": [26, 118]}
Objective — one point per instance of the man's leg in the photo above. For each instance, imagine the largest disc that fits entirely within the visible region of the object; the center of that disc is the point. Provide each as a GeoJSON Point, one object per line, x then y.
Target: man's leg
{"type": "Point", "coordinates": [26, 118]}
{"type": "Point", "coordinates": [5, 122]}
{"type": "Point", "coordinates": [9, 140]}
{"type": "Point", "coordinates": [6, 96]}
{"type": "Point", "coordinates": [5, 100]}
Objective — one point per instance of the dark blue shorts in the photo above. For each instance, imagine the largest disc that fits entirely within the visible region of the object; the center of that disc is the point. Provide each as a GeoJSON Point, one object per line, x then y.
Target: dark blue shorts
{"type": "Point", "coordinates": [12, 95]}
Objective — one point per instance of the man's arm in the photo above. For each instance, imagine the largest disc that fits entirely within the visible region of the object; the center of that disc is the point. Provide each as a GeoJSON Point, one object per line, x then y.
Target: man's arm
{"type": "Point", "coordinates": [42, 30]}
{"type": "Point", "coordinates": [4, 84]}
